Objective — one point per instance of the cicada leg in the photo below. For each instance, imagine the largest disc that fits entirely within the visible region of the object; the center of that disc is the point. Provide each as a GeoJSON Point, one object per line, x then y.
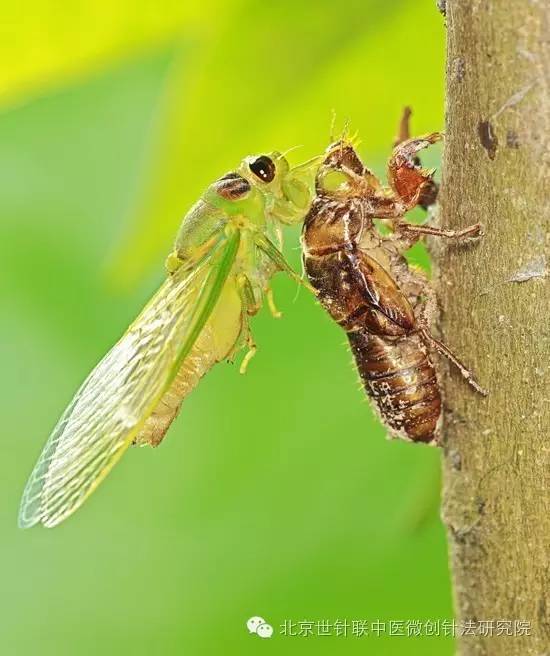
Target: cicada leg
{"type": "Point", "coordinates": [173, 262]}
{"type": "Point", "coordinates": [249, 308]}
{"type": "Point", "coordinates": [426, 313]}
{"type": "Point", "coordinates": [275, 255]}
{"type": "Point", "coordinates": [248, 355]}
{"type": "Point", "coordinates": [412, 231]}
{"type": "Point", "coordinates": [275, 313]}
{"type": "Point", "coordinates": [403, 129]}
{"type": "Point", "coordinates": [413, 184]}
{"type": "Point", "coordinates": [416, 185]}
{"type": "Point", "coordinates": [447, 353]}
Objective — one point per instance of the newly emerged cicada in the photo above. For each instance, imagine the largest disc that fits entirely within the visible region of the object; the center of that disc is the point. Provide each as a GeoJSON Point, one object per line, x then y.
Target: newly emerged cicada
{"type": "Point", "coordinates": [227, 249]}
{"type": "Point", "coordinates": [366, 285]}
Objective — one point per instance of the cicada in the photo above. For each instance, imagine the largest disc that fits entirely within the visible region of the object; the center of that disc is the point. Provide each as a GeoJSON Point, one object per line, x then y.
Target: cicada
{"type": "Point", "coordinates": [365, 283]}
{"type": "Point", "coordinates": [227, 249]}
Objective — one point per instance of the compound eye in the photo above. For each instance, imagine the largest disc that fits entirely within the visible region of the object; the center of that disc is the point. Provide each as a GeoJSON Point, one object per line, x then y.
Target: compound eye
{"type": "Point", "coordinates": [263, 168]}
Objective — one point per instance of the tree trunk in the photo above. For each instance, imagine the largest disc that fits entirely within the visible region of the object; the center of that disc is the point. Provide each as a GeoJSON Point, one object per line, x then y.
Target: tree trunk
{"type": "Point", "coordinates": [495, 302]}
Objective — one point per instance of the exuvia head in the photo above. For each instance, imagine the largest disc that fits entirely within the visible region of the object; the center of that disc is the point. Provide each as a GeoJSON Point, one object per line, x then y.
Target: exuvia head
{"type": "Point", "coordinates": [342, 173]}
{"type": "Point", "coordinates": [341, 155]}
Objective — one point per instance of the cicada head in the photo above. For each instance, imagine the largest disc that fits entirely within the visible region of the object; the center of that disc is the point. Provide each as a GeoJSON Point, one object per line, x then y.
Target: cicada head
{"type": "Point", "coordinates": [288, 192]}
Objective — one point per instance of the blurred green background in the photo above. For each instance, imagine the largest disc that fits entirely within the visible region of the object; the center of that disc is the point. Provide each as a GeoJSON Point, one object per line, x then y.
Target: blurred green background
{"type": "Point", "coordinates": [275, 493]}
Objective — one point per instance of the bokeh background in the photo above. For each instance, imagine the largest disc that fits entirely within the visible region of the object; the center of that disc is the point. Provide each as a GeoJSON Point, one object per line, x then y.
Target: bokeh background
{"type": "Point", "coordinates": [275, 493]}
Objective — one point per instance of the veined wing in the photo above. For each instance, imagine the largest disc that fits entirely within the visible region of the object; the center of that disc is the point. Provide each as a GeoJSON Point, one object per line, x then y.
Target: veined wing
{"type": "Point", "coordinates": [113, 403]}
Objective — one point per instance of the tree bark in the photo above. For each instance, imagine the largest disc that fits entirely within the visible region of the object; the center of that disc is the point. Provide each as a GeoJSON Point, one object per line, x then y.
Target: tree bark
{"type": "Point", "coordinates": [495, 298]}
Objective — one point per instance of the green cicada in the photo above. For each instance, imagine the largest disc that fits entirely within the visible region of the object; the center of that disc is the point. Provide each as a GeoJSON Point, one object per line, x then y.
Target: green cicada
{"type": "Point", "coordinates": [227, 249]}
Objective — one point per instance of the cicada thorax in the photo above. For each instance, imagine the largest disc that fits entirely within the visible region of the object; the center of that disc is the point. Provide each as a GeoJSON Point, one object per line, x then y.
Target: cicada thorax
{"type": "Point", "coordinates": [222, 332]}
{"type": "Point", "coordinates": [220, 335]}
{"type": "Point", "coordinates": [355, 286]}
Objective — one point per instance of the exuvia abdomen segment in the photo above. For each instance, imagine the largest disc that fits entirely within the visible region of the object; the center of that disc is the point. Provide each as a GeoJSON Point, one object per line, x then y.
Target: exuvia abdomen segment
{"type": "Point", "coordinates": [399, 377]}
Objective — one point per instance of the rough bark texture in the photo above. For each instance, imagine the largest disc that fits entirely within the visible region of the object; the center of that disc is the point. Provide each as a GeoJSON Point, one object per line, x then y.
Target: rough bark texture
{"type": "Point", "coordinates": [495, 298]}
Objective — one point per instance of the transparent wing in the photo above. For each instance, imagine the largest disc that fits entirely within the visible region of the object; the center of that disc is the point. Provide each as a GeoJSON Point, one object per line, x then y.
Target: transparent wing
{"type": "Point", "coordinates": [122, 391]}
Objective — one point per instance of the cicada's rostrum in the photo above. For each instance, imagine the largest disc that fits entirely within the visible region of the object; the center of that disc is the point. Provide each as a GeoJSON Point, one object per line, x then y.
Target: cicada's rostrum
{"type": "Point", "coordinates": [364, 282]}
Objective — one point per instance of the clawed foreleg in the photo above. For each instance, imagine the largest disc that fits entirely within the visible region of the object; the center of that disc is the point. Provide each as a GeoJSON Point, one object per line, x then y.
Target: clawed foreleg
{"type": "Point", "coordinates": [413, 184]}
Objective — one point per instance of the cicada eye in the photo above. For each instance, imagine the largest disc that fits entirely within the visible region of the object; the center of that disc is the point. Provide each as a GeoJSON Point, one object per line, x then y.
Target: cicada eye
{"type": "Point", "coordinates": [263, 168]}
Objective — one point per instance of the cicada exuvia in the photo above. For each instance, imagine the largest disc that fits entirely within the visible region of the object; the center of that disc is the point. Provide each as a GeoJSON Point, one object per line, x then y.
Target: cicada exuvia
{"type": "Point", "coordinates": [227, 249]}
{"type": "Point", "coordinates": [365, 283]}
